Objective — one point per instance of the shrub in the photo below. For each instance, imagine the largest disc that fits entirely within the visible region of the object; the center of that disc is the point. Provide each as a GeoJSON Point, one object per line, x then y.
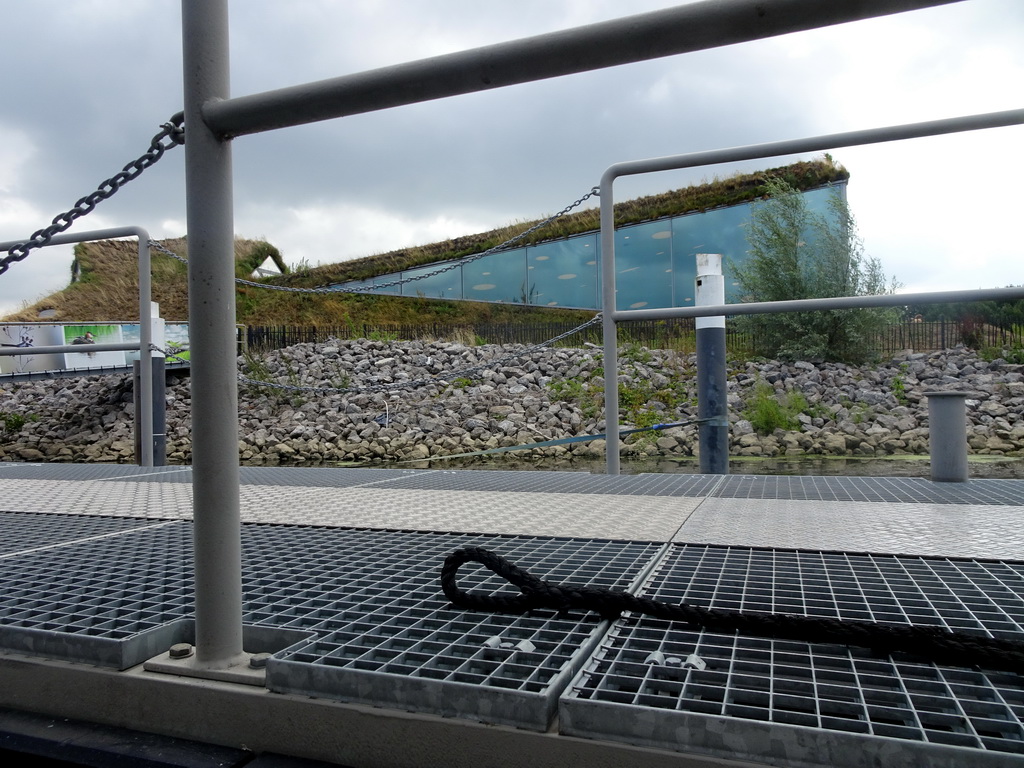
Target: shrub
{"type": "Point", "coordinates": [766, 411]}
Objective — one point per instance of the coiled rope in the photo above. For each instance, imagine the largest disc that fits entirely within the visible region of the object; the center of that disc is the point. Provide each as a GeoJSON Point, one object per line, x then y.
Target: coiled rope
{"type": "Point", "coordinates": [938, 644]}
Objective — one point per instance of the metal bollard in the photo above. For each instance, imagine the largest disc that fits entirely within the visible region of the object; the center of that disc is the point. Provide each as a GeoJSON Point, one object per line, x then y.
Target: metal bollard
{"type": "Point", "coordinates": [712, 391]}
{"type": "Point", "coordinates": [947, 435]}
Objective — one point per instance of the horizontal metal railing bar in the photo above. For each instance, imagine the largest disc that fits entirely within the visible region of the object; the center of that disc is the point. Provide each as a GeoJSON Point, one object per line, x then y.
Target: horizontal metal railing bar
{"type": "Point", "coordinates": [58, 348]}
{"type": "Point", "coordinates": [1002, 119]}
{"type": "Point", "coordinates": [673, 31]}
{"type": "Point", "coordinates": [817, 305]}
{"type": "Point", "coordinates": [76, 373]}
{"type": "Point", "coordinates": [111, 233]}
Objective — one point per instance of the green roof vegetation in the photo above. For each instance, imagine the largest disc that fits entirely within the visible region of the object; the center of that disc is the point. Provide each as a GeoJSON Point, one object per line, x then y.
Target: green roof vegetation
{"type": "Point", "coordinates": [105, 274]}
{"type": "Point", "coordinates": [719, 193]}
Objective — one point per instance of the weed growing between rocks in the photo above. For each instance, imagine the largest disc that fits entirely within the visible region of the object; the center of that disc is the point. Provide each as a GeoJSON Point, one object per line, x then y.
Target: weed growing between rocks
{"type": "Point", "coordinates": [768, 410]}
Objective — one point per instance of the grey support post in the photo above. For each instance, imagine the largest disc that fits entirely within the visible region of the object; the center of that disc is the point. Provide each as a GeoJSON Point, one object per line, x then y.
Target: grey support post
{"type": "Point", "coordinates": [712, 393]}
{"type": "Point", "coordinates": [211, 273]}
{"type": "Point", "coordinates": [947, 435]}
{"type": "Point", "coordinates": [609, 327]}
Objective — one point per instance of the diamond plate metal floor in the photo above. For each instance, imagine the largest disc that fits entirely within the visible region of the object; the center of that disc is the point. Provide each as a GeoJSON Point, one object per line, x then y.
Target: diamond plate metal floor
{"type": "Point", "coordinates": [956, 530]}
{"type": "Point", "coordinates": [98, 570]}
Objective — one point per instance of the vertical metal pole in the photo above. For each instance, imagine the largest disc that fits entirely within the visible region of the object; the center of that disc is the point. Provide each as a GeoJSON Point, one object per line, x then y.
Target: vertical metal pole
{"type": "Point", "coordinates": [211, 275]}
{"type": "Point", "coordinates": [712, 393]}
{"type": "Point", "coordinates": [144, 416]}
{"type": "Point", "coordinates": [611, 342]}
{"type": "Point", "coordinates": [159, 386]}
{"type": "Point", "coordinates": [159, 411]}
{"type": "Point", "coordinates": [139, 416]}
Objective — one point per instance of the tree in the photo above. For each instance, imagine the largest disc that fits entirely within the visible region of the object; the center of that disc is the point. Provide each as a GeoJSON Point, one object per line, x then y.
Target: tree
{"type": "Point", "coordinates": [795, 253]}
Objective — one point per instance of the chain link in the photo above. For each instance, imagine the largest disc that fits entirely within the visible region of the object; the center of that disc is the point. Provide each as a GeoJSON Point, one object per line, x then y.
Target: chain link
{"type": "Point", "coordinates": [170, 353]}
{"type": "Point", "coordinates": [171, 135]}
{"type": "Point", "coordinates": [448, 267]}
{"type": "Point", "coordinates": [417, 383]}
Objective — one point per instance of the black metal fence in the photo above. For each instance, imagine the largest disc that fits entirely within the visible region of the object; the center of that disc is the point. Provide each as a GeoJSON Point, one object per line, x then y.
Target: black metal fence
{"type": "Point", "coordinates": [673, 334]}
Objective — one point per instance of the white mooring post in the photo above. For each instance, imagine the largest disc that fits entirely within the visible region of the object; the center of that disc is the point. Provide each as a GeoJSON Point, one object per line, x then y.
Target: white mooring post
{"type": "Point", "coordinates": [154, 411]}
{"type": "Point", "coordinates": [159, 364]}
{"type": "Point", "coordinates": [712, 392]}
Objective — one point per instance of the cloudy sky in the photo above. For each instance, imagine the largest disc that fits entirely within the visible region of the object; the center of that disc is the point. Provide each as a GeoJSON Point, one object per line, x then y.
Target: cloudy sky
{"type": "Point", "coordinates": [96, 78]}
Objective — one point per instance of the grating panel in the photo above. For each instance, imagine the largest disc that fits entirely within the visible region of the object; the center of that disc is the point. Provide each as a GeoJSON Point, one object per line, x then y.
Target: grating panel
{"type": "Point", "coordinates": [322, 477]}
{"type": "Point", "coordinates": [542, 514]}
{"type": "Point", "coordinates": [21, 471]}
{"type": "Point", "coordinates": [799, 703]}
{"type": "Point", "coordinates": [935, 529]}
{"type": "Point", "coordinates": [387, 636]}
{"type": "Point", "coordinates": [561, 482]}
{"type": "Point", "coordinates": [108, 600]}
{"type": "Point", "coordinates": [874, 489]}
{"type": "Point", "coordinates": [308, 477]}
{"type": "Point", "coordinates": [384, 633]}
{"type": "Point", "coordinates": [27, 530]}
{"type": "Point", "coordinates": [96, 497]}
{"type": "Point", "coordinates": [385, 506]}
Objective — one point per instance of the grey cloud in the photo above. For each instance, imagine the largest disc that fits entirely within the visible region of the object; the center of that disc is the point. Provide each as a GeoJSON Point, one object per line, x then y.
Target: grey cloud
{"type": "Point", "coordinates": [99, 78]}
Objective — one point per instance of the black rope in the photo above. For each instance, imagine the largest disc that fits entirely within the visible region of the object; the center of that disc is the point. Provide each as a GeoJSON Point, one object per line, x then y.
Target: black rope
{"type": "Point", "coordinates": [938, 644]}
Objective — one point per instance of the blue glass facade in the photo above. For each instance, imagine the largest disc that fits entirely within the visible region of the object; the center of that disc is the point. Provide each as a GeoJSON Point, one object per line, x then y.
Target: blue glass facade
{"type": "Point", "coordinates": [655, 264]}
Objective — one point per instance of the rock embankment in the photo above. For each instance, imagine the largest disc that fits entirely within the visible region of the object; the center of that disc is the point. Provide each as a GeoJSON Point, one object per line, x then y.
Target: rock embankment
{"type": "Point", "coordinates": [424, 399]}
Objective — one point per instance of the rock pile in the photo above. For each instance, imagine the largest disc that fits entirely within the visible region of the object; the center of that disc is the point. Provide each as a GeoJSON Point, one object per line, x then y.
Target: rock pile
{"type": "Point", "coordinates": [419, 399]}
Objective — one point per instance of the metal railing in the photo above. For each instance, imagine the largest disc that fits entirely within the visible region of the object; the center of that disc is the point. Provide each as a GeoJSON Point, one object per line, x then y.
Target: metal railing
{"type": "Point", "coordinates": [213, 117]}
{"type": "Point", "coordinates": [143, 420]}
{"type": "Point", "coordinates": [613, 316]}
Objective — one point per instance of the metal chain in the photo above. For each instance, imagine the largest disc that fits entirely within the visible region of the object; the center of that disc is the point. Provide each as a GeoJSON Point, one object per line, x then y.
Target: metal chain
{"type": "Point", "coordinates": [444, 377]}
{"type": "Point", "coordinates": [168, 354]}
{"type": "Point", "coordinates": [173, 133]}
{"type": "Point", "coordinates": [449, 266]}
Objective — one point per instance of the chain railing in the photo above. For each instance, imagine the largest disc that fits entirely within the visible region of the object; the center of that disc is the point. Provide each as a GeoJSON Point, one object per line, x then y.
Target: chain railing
{"type": "Point", "coordinates": [455, 264]}
{"type": "Point", "coordinates": [171, 353]}
{"type": "Point", "coordinates": [171, 135]}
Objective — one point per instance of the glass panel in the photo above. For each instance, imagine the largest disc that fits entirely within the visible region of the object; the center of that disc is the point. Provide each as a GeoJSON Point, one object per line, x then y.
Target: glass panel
{"type": "Point", "coordinates": [447, 285]}
{"type": "Point", "coordinates": [643, 265]}
{"type": "Point", "coordinates": [818, 199]}
{"type": "Point", "coordinates": [819, 203]}
{"type": "Point", "coordinates": [498, 277]}
{"type": "Point", "coordinates": [564, 273]}
{"type": "Point", "coordinates": [370, 285]}
{"type": "Point", "coordinates": [656, 264]}
{"type": "Point", "coordinates": [720, 231]}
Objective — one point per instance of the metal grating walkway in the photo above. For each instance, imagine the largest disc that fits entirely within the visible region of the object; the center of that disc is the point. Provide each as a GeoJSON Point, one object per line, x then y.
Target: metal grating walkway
{"type": "Point", "coordinates": [98, 570]}
{"type": "Point", "coordinates": [835, 690]}
{"type": "Point", "coordinates": [386, 636]}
